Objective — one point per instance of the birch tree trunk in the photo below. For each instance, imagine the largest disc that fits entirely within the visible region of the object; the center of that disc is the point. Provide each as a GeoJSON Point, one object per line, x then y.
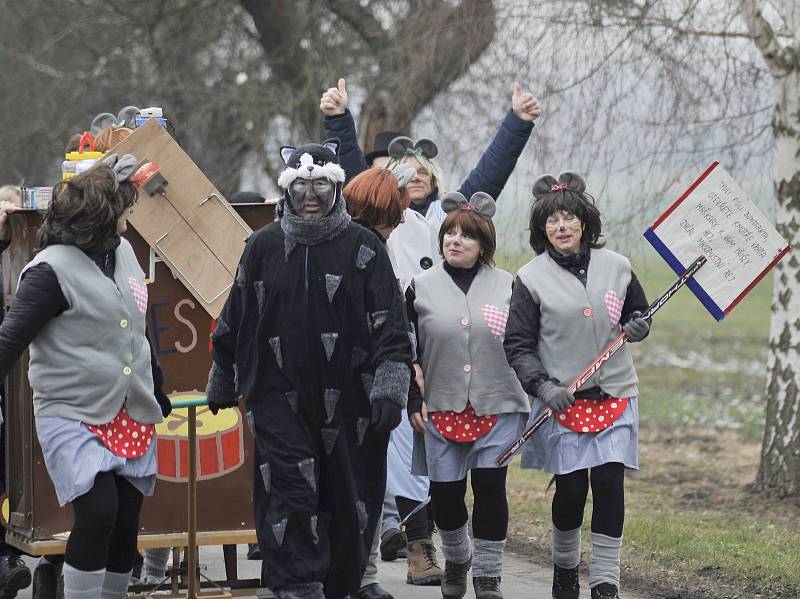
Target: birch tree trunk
{"type": "Point", "coordinates": [779, 471]}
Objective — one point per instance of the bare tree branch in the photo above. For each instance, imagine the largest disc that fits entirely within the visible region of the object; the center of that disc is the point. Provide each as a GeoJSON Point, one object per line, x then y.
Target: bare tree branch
{"type": "Point", "coordinates": [433, 46]}
{"type": "Point", "coordinates": [362, 21]}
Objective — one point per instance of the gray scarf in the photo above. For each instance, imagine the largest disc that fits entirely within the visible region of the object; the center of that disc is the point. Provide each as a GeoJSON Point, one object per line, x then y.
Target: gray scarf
{"type": "Point", "coordinates": [299, 231]}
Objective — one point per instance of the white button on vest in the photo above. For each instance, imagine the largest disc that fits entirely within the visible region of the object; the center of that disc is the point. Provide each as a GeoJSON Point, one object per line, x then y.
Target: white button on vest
{"type": "Point", "coordinates": [467, 368]}
{"type": "Point", "coordinates": [464, 322]}
{"type": "Point", "coordinates": [123, 323]}
{"type": "Point", "coordinates": [127, 371]}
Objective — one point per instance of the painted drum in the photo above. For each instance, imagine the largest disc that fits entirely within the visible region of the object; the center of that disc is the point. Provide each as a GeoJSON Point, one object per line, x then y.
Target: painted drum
{"type": "Point", "coordinates": [220, 447]}
{"type": "Point", "coordinates": [4, 510]}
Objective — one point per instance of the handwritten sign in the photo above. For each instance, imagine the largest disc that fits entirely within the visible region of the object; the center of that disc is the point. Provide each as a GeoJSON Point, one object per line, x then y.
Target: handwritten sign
{"type": "Point", "coordinates": [715, 219]}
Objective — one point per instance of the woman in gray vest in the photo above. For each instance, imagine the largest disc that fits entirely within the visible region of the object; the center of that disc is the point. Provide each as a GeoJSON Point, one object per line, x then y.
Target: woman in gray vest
{"type": "Point", "coordinates": [568, 304]}
{"type": "Point", "coordinates": [473, 404]}
{"type": "Point", "coordinates": [80, 305]}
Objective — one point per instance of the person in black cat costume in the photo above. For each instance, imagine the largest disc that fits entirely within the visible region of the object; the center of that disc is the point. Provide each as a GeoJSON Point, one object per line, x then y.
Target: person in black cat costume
{"type": "Point", "coordinates": [314, 337]}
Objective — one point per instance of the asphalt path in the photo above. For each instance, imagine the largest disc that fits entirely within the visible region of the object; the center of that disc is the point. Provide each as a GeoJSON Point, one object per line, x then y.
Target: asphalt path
{"type": "Point", "coordinates": [522, 579]}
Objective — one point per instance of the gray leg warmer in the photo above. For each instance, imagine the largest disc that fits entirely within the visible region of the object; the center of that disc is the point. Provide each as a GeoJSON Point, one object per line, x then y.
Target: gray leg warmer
{"type": "Point", "coordinates": [80, 584]}
{"type": "Point", "coordinates": [567, 548]}
{"type": "Point", "coordinates": [604, 565]}
{"type": "Point", "coordinates": [115, 584]}
{"type": "Point", "coordinates": [310, 590]}
{"type": "Point", "coordinates": [155, 563]}
{"type": "Point", "coordinates": [371, 573]}
{"type": "Point", "coordinates": [488, 558]}
{"type": "Point", "coordinates": [455, 545]}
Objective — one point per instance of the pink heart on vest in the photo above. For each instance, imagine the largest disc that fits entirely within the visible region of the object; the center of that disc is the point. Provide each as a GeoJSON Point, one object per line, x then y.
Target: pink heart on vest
{"type": "Point", "coordinates": [614, 305]}
{"type": "Point", "coordinates": [139, 291]}
{"type": "Point", "coordinates": [495, 319]}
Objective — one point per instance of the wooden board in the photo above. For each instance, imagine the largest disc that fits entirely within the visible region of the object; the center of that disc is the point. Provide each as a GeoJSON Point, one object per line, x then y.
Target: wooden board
{"type": "Point", "coordinates": [189, 224]}
{"type": "Point", "coordinates": [145, 541]}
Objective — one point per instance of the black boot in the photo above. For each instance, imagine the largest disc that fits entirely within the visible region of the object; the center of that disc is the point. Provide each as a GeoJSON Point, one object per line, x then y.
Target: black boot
{"type": "Point", "coordinates": [46, 579]}
{"type": "Point", "coordinates": [487, 587]}
{"type": "Point", "coordinates": [454, 581]}
{"type": "Point", "coordinates": [565, 583]}
{"type": "Point", "coordinates": [605, 590]}
{"type": "Point", "coordinates": [253, 551]}
{"type": "Point", "coordinates": [372, 591]}
{"type": "Point", "coordinates": [393, 545]}
{"type": "Point", "coordinates": [14, 576]}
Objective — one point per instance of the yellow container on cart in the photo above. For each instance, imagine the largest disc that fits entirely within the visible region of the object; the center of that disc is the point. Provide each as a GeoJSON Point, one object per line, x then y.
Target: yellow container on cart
{"type": "Point", "coordinates": [77, 162]}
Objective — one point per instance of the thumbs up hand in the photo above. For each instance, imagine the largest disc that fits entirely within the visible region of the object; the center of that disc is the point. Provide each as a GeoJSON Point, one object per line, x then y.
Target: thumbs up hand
{"type": "Point", "coordinates": [524, 105]}
{"type": "Point", "coordinates": [334, 100]}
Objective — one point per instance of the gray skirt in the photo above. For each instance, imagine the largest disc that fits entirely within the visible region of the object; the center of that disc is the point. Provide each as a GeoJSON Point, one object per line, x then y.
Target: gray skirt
{"type": "Point", "coordinates": [444, 460]}
{"type": "Point", "coordinates": [74, 456]}
{"type": "Point", "coordinates": [558, 450]}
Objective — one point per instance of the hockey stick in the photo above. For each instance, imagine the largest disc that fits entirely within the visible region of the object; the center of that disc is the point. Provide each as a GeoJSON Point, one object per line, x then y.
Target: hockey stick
{"type": "Point", "coordinates": [604, 356]}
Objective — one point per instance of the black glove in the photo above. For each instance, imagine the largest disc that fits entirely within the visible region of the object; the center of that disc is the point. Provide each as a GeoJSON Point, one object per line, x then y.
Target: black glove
{"type": "Point", "coordinates": [556, 397]}
{"type": "Point", "coordinates": [215, 407]}
{"type": "Point", "coordinates": [221, 389]}
{"type": "Point", "coordinates": [637, 328]}
{"type": "Point", "coordinates": [163, 402]}
{"type": "Point", "coordinates": [414, 399]}
{"type": "Point", "coordinates": [386, 415]}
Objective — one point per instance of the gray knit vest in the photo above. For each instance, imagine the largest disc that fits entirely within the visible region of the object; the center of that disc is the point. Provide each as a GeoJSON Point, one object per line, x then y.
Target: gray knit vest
{"type": "Point", "coordinates": [576, 322]}
{"type": "Point", "coordinates": [462, 357]}
{"type": "Point", "coordinates": [85, 362]}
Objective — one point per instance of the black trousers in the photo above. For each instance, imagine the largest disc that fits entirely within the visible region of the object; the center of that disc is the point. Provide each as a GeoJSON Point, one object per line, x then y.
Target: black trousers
{"type": "Point", "coordinates": [608, 497]}
{"type": "Point", "coordinates": [490, 508]}
{"type": "Point", "coordinates": [106, 526]}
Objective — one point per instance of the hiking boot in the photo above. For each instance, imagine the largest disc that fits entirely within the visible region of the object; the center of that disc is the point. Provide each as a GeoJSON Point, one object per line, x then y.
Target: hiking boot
{"type": "Point", "coordinates": [454, 582]}
{"type": "Point", "coordinates": [605, 590]}
{"type": "Point", "coordinates": [432, 528]}
{"type": "Point", "coordinates": [565, 583]}
{"type": "Point", "coordinates": [487, 587]}
{"type": "Point", "coordinates": [423, 570]}
{"type": "Point", "coordinates": [393, 545]}
{"type": "Point", "coordinates": [14, 576]}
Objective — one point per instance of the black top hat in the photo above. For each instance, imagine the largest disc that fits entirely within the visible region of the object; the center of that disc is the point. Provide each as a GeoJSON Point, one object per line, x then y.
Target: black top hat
{"type": "Point", "coordinates": [380, 146]}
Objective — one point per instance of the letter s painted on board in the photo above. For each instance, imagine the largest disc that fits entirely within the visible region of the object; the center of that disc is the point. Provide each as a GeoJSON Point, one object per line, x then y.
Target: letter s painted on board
{"type": "Point", "coordinates": [185, 349]}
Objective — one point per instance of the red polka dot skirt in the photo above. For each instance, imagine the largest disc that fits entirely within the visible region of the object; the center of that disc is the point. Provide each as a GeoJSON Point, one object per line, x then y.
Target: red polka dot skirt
{"type": "Point", "coordinates": [463, 427]}
{"type": "Point", "coordinates": [592, 415]}
{"type": "Point", "coordinates": [123, 436]}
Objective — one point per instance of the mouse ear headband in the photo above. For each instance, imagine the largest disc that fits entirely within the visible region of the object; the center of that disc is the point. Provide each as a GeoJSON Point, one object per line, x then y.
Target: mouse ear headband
{"type": "Point", "coordinates": [480, 203]}
{"type": "Point", "coordinates": [123, 168]}
{"type": "Point", "coordinates": [567, 181]}
{"type": "Point", "coordinates": [405, 146]}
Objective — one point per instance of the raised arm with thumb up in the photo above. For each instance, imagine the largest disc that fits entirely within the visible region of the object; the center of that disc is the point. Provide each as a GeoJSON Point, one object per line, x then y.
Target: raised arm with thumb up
{"type": "Point", "coordinates": [524, 105]}
{"type": "Point", "coordinates": [334, 100]}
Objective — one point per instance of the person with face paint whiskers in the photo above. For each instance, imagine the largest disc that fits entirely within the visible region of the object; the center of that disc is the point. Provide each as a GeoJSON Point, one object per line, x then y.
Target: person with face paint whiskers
{"type": "Point", "coordinates": [568, 304]}
{"type": "Point", "coordinates": [315, 338]}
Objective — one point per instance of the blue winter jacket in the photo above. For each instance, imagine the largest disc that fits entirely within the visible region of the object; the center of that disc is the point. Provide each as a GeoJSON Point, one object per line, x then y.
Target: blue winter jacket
{"type": "Point", "coordinates": [490, 175]}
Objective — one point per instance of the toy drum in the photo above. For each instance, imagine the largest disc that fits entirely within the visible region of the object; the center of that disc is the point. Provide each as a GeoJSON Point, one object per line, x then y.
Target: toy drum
{"type": "Point", "coordinates": [220, 446]}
